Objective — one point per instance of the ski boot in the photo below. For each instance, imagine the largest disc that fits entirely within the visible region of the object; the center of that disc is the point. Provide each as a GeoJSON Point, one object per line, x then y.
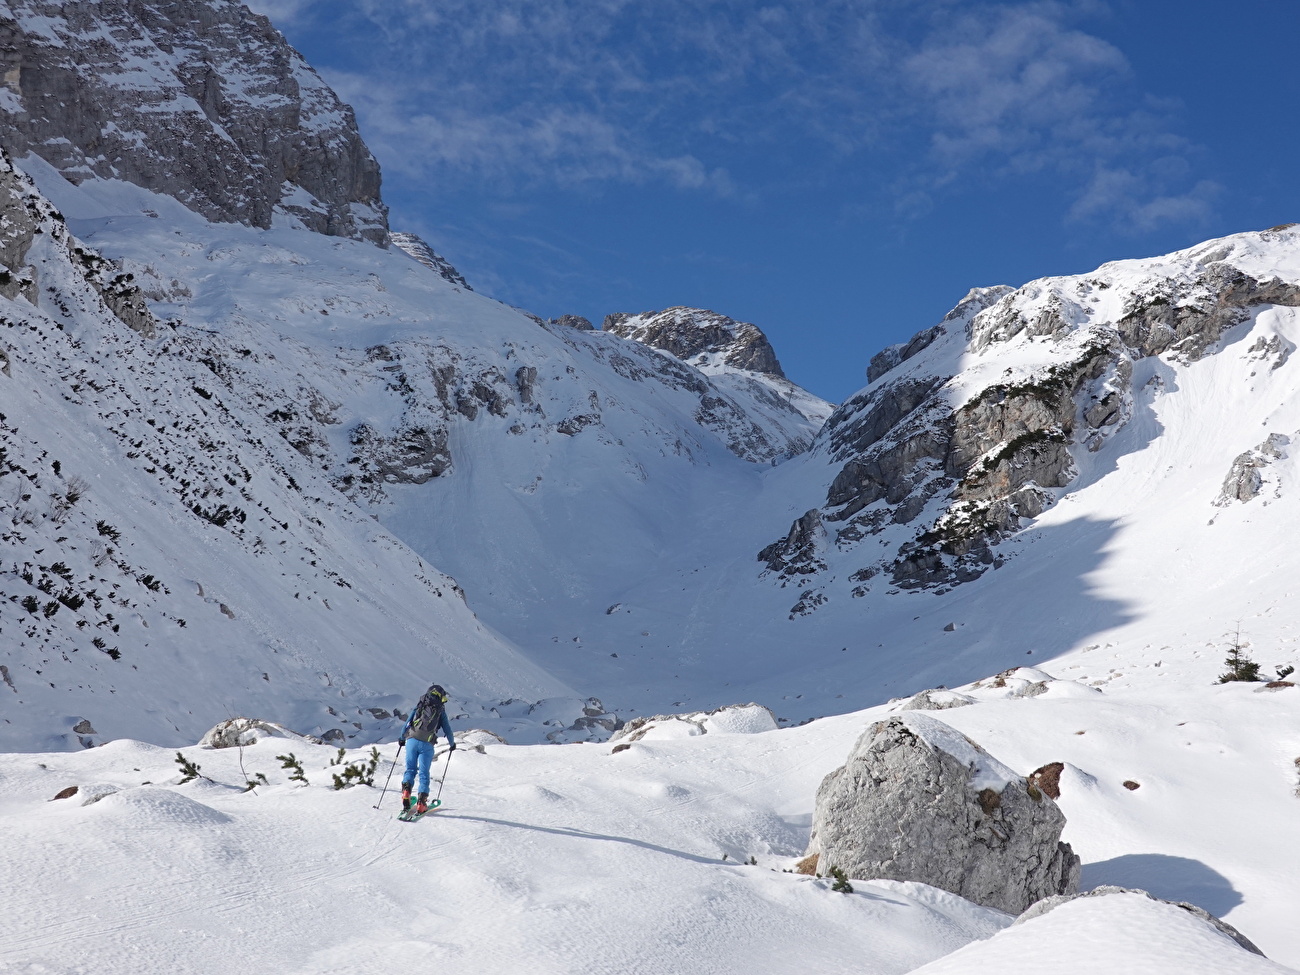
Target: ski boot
{"type": "Point", "coordinates": [406, 796]}
{"type": "Point", "coordinates": [422, 805]}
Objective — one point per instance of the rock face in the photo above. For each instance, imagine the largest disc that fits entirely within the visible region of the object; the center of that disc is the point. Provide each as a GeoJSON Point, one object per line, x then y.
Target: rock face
{"type": "Point", "coordinates": [202, 101]}
{"type": "Point", "coordinates": [702, 338]}
{"type": "Point", "coordinates": [248, 731]}
{"type": "Point", "coordinates": [736, 357]}
{"type": "Point", "coordinates": [573, 321]}
{"type": "Point", "coordinates": [918, 801]}
{"type": "Point", "coordinates": [1245, 478]}
{"type": "Point", "coordinates": [419, 250]}
{"type": "Point", "coordinates": [974, 424]}
{"type": "Point", "coordinates": [24, 216]}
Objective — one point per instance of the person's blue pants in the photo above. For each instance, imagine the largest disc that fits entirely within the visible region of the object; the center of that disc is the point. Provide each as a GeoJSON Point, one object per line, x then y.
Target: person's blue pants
{"type": "Point", "coordinates": [418, 753]}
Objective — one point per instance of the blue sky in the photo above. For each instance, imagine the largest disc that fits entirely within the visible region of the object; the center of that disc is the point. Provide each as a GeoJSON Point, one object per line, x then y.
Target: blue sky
{"type": "Point", "coordinates": [839, 172]}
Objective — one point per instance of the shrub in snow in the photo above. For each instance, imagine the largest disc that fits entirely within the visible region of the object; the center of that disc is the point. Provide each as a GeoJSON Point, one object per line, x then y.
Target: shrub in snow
{"type": "Point", "coordinates": [291, 763]}
{"type": "Point", "coordinates": [919, 801]}
{"type": "Point", "coordinates": [841, 884]}
{"type": "Point", "coordinates": [355, 773]}
{"type": "Point", "coordinates": [1240, 666]}
{"type": "Point", "coordinates": [189, 770]}
{"type": "Point", "coordinates": [1047, 780]}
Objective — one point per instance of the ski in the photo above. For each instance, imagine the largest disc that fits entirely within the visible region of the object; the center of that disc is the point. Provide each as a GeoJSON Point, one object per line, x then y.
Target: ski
{"type": "Point", "coordinates": [411, 816]}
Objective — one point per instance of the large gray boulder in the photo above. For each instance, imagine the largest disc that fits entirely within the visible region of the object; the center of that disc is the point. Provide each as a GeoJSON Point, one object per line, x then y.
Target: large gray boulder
{"type": "Point", "coordinates": [919, 801]}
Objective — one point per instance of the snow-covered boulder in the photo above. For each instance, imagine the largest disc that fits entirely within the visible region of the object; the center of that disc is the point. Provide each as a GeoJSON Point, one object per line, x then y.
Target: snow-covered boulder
{"type": "Point", "coordinates": [919, 801]}
{"type": "Point", "coordinates": [734, 719]}
{"type": "Point", "coordinates": [248, 731]}
{"type": "Point", "coordinates": [937, 699]}
{"type": "Point", "coordinates": [1109, 930]}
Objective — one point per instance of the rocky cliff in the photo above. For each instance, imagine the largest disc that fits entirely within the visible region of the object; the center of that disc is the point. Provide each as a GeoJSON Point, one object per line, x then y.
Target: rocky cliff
{"type": "Point", "coordinates": [203, 101]}
{"type": "Point", "coordinates": [736, 356]}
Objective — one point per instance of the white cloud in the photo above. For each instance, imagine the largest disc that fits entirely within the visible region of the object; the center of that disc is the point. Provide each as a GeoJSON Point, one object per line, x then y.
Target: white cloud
{"type": "Point", "coordinates": [1020, 91]}
{"type": "Point", "coordinates": [1136, 203]}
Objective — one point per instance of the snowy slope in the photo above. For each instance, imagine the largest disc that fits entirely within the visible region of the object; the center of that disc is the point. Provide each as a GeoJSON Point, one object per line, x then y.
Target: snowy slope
{"type": "Point", "coordinates": [546, 469]}
{"type": "Point", "coordinates": [580, 857]}
{"type": "Point", "coordinates": [169, 560]}
{"type": "Point", "coordinates": [598, 522]}
{"type": "Point", "coordinates": [238, 464]}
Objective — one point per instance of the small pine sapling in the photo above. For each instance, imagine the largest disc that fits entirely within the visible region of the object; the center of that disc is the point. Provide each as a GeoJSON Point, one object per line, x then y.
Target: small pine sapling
{"type": "Point", "coordinates": [295, 766]}
{"type": "Point", "coordinates": [1284, 672]}
{"type": "Point", "coordinates": [1238, 662]}
{"type": "Point", "coordinates": [356, 773]}
{"type": "Point", "coordinates": [841, 885]}
{"type": "Point", "coordinates": [259, 778]}
{"type": "Point", "coordinates": [189, 770]}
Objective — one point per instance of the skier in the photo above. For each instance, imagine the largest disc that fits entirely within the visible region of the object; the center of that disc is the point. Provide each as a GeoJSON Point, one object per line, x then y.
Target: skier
{"type": "Point", "coordinates": [418, 737]}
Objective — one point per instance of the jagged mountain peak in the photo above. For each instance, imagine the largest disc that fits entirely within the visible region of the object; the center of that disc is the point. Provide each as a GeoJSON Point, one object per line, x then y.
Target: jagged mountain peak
{"type": "Point", "coordinates": [707, 340]}
{"type": "Point", "coordinates": [202, 100]}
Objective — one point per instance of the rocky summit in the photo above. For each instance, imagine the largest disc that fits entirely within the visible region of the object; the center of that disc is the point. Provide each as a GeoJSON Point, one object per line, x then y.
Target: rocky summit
{"type": "Point", "coordinates": [703, 338]}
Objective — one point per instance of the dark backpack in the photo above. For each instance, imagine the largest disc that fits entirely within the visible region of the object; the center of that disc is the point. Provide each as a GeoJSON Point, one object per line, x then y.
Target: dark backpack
{"type": "Point", "coordinates": [428, 714]}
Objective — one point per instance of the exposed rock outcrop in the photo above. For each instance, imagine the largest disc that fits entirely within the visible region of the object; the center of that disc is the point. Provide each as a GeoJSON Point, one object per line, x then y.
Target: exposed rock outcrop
{"type": "Point", "coordinates": [573, 321]}
{"type": "Point", "coordinates": [248, 731]}
{"type": "Point", "coordinates": [24, 216]}
{"type": "Point", "coordinates": [919, 801]}
{"type": "Point", "coordinates": [976, 300]}
{"type": "Point", "coordinates": [745, 719]}
{"type": "Point", "coordinates": [420, 251]}
{"type": "Point", "coordinates": [202, 100]}
{"type": "Point", "coordinates": [1245, 478]}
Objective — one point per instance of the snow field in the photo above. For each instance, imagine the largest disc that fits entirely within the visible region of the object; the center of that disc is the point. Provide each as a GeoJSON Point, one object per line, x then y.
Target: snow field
{"type": "Point", "coordinates": [576, 858]}
{"type": "Point", "coordinates": [546, 859]}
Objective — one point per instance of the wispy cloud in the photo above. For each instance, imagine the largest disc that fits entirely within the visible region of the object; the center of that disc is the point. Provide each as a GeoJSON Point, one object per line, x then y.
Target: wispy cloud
{"type": "Point", "coordinates": [547, 143]}
{"type": "Point", "coordinates": [733, 96]}
{"type": "Point", "coordinates": [1021, 90]}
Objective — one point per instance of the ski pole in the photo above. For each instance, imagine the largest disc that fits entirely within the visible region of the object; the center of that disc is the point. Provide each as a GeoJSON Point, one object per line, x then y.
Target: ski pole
{"type": "Point", "coordinates": [441, 782]}
{"type": "Point", "coordinates": [390, 776]}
